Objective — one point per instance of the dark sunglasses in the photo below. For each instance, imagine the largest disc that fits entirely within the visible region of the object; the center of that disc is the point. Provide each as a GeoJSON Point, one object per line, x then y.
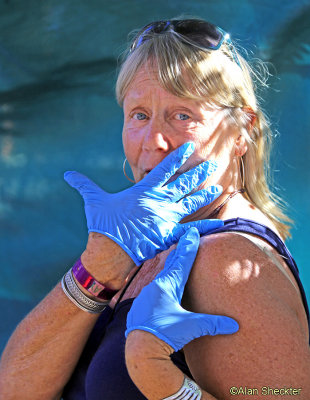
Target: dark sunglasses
{"type": "Point", "coordinates": [201, 33]}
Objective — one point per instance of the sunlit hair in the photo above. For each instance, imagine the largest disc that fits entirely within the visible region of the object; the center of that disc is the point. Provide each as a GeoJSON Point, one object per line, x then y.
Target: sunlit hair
{"type": "Point", "coordinates": [213, 76]}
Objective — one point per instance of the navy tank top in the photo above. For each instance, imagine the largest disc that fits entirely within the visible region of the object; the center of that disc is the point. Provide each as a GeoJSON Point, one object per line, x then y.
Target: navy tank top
{"type": "Point", "coordinates": [101, 371]}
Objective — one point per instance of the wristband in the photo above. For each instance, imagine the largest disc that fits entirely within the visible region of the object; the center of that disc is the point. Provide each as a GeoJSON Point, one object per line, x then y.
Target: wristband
{"type": "Point", "coordinates": [90, 284]}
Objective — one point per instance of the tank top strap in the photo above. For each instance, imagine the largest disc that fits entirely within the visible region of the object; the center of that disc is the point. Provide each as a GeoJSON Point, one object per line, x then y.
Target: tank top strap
{"type": "Point", "coordinates": [255, 228]}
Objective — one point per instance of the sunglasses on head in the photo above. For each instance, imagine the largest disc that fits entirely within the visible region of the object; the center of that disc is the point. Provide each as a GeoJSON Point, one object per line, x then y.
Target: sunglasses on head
{"type": "Point", "coordinates": [199, 32]}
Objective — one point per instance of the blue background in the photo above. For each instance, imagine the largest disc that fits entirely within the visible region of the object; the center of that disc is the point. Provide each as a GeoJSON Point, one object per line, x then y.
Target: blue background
{"type": "Point", "coordinates": [58, 113]}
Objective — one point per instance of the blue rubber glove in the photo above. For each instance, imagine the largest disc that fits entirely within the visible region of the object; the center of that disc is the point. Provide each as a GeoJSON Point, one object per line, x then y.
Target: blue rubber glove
{"type": "Point", "coordinates": [157, 309]}
{"type": "Point", "coordinates": [144, 219]}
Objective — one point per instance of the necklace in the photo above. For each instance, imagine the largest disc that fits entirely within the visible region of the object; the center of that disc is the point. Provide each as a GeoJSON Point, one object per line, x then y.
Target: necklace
{"type": "Point", "coordinates": [216, 211]}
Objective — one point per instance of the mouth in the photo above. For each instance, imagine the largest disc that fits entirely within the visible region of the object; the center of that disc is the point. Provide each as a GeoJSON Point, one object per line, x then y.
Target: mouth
{"type": "Point", "coordinates": [146, 172]}
{"type": "Point", "coordinates": [171, 179]}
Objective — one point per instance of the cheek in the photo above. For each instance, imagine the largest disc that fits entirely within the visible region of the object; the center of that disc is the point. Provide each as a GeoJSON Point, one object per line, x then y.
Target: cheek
{"type": "Point", "coordinates": [203, 146]}
{"type": "Point", "coordinates": [215, 146]}
{"type": "Point", "coordinates": [131, 145]}
{"type": "Point", "coordinates": [125, 139]}
{"type": "Point", "coordinates": [132, 132]}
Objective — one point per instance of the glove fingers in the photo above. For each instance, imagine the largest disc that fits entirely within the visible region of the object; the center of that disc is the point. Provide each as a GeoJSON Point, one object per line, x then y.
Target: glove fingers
{"type": "Point", "coordinates": [179, 263]}
{"type": "Point", "coordinates": [169, 165]}
{"type": "Point", "coordinates": [213, 324]}
{"type": "Point", "coordinates": [188, 181]}
{"type": "Point", "coordinates": [199, 199]}
{"type": "Point", "coordinates": [81, 183]}
{"type": "Point", "coordinates": [203, 226]}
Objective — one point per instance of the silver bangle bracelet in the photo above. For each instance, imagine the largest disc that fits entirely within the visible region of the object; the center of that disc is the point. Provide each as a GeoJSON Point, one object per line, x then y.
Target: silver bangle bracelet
{"type": "Point", "coordinates": [74, 293]}
{"type": "Point", "coordinates": [189, 391]}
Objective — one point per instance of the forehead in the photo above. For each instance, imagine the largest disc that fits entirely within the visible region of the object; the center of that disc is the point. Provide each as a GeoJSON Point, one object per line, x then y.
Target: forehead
{"type": "Point", "coordinates": [146, 77]}
{"type": "Point", "coordinates": [145, 84]}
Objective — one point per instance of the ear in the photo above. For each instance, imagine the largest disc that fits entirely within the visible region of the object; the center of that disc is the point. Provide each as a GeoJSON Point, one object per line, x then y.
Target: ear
{"type": "Point", "coordinates": [241, 146]}
{"type": "Point", "coordinates": [252, 117]}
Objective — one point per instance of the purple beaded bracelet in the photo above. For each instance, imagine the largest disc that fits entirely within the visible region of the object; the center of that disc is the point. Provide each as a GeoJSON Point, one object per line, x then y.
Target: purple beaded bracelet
{"type": "Point", "coordinates": [89, 282]}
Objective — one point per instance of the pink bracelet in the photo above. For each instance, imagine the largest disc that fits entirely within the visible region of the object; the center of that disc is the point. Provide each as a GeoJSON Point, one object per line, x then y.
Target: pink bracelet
{"type": "Point", "coordinates": [89, 282]}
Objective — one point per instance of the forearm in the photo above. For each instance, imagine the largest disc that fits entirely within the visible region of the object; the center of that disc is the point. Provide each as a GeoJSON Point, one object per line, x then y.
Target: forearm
{"type": "Point", "coordinates": [150, 367]}
{"type": "Point", "coordinates": [45, 347]}
{"type": "Point", "coordinates": [42, 352]}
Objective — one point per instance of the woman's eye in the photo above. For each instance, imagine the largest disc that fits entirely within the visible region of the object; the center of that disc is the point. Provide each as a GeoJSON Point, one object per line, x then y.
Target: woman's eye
{"type": "Point", "coordinates": [182, 117]}
{"type": "Point", "coordinates": [139, 116]}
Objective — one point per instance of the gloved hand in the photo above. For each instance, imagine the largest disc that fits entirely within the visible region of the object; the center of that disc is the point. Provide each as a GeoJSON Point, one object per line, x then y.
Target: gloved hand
{"type": "Point", "coordinates": [157, 309]}
{"type": "Point", "coordinates": [144, 219]}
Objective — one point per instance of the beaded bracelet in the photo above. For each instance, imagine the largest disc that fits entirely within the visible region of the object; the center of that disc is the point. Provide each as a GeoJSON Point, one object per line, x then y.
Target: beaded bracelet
{"type": "Point", "coordinates": [74, 293]}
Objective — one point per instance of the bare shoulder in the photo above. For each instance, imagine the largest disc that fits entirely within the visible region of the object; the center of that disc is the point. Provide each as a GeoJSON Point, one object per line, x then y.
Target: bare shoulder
{"type": "Point", "coordinates": [233, 277]}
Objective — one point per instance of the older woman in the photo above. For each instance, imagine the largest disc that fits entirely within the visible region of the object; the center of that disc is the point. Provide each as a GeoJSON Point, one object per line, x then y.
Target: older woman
{"type": "Point", "coordinates": [187, 97]}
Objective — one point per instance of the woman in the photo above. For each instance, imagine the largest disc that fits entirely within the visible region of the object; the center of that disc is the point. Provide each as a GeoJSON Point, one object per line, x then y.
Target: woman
{"type": "Point", "coordinates": [187, 97]}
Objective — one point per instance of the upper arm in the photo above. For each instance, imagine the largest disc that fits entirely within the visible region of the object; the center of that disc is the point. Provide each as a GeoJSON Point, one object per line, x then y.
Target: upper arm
{"type": "Point", "coordinates": [230, 277]}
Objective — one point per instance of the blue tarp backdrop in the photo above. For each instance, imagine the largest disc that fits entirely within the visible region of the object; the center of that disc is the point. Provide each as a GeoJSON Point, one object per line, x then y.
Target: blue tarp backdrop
{"type": "Point", "coordinates": [57, 112]}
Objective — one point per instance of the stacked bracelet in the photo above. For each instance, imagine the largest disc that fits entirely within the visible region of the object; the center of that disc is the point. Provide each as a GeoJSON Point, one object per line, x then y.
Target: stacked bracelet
{"type": "Point", "coordinates": [90, 284]}
{"type": "Point", "coordinates": [77, 297]}
{"type": "Point", "coordinates": [189, 391]}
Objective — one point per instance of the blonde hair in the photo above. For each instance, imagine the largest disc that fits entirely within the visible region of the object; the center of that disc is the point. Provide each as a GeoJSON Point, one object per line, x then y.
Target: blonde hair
{"type": "Point", "coordinates": [214, 77]}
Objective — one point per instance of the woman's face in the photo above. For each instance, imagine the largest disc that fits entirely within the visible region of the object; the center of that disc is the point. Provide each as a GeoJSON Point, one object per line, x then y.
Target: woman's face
{"type": "Point", "coordinates": [156, 122]}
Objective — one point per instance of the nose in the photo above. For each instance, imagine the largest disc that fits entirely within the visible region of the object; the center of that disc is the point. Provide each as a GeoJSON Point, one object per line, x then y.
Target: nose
{"type": "Point", "coordinates": [155, 138]}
